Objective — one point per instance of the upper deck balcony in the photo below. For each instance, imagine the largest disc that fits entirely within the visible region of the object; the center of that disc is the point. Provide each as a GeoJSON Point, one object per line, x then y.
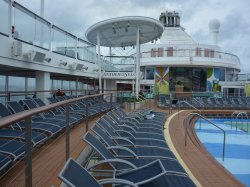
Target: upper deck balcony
{"type": "Point", "coordinates": [31, 42]}
{"type": "Point", "coordinates": [191, 55]}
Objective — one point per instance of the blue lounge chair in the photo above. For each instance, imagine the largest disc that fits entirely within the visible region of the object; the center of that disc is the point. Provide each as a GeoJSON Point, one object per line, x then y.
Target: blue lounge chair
{"type": "Point", "coordinates": [44, 127]}
{"type": "Point", "coordinates": [112, 132]}
{"type": "Point", "coordinates": [31, 105]}
{"type": "Point", "coordinates": [5, 163]}
{"type": "Point", "coordinates": [74, 175]}
{"type": "Point", "coordinates": [135, 151]}
{"type": "Point", "coordinates": [175, 176]}
{"type": "Point", "coordinates": [15, 149]}
{"type": "Point", "coordinates": [123, 129]}
{"type": "Point", "coordinates": [15, 107]}
{"type": "Point", "coordinates": [59, 111]}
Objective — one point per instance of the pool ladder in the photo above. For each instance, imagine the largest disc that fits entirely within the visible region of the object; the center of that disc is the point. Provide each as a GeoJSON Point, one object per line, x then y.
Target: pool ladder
{"type": "Point", "coordinates": [238, 114]}
{"type": "Point", "coordinates": [187, 121]}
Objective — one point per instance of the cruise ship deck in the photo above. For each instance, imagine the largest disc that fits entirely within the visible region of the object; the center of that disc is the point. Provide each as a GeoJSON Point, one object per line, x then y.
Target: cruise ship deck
{"type": "Point", "coordinates": [73, 114]}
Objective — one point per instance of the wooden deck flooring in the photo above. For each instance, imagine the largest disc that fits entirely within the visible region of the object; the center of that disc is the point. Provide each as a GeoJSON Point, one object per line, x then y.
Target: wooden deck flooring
{"type": "Point", "coordinates": [202, 165]}
{"type": "Point", "coordinates": [48, 160]}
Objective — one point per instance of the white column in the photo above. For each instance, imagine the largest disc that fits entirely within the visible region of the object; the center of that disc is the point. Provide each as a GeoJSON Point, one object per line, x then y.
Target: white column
{"type": "Point", "coordinates": [42, 83]}
{"type": "Point", "coordinates": [99, 63]}
{"type": "Point", "coordinates": [104, 85]}
{"type": "Point", "coordinates": [137, 69]}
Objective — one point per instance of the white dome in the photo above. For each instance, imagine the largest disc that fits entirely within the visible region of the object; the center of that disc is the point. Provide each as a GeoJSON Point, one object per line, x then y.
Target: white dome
{"type": "Point", "coordinates": [214, 24]}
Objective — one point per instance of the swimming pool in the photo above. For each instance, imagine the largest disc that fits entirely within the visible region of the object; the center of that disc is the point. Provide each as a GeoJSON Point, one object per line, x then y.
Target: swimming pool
{"type": "Point", "coordinates": [237, 149]}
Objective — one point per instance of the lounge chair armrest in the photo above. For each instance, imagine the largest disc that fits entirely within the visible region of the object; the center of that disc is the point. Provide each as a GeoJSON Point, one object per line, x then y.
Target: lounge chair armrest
{"type": "Point", "coordinates": [125, 132]}
{"type": "Point", "coordinates": [116, 160]}
{"type": "Point", "coordinates": [128, 122]}
{"type": "Point", "coordinates": [124, 149]}
{"type": "Point", "coordinates": [127, 128]}
{"type": "Point", "coordinates": [124, 139]}
{"type": "Point", "coordinates": [117, 181]}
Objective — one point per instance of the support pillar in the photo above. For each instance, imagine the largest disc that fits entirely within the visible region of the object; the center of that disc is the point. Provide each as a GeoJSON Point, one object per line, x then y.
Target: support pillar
{"type": "Point", "coordinates": [99, 63]}
{"type": "Point", "coordinates": [137, 69]}
{"type": "Point", "coordinates": [104, 85]}
{"type": "Point", "coordinates": [43, 83]}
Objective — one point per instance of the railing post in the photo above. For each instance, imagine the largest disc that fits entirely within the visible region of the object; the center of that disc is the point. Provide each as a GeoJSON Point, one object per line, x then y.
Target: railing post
{"type": "Point", "coordinates": [28, 153]}
{"type": "Point", "coordinates": [67, 132]}
{"type": "Point", "coordinates": [185, 123]}
{"type": "Point", "coordinates": [111, 96]}
{"type": "Point", "coordinates": [8, 96]}
{"type": "Point", "coordinates": [87, 118]}
{"type": "Point", "coordinates": [100, 103]}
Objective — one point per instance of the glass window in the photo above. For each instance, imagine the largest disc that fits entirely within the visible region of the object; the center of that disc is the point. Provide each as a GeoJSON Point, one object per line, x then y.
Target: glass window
{"type": "Point", "coordinates": [16, 84]}
{"type": "Point", "coordinates": [150, 72]}
{"type": "Point", "coordinates": [4, 17]}
{"type": "Point", "coordinates": [153, 52]}
{"type": "Point", "coordinates": [22, 18]}
{"type": "Point", "coordinates": [71, 46]}
{"type": "Point", "coordinates": [57, 84]}
{"type": "Point", "coordinates": [170, 51]}
{"type": "Point", "coordinates": [160, 52]}
{"type": "Point", "coordinates": [31, 84]}
{"type": "Point", "coordinates": [86, 51]}
{"type": "Point", "coordinates": [212, 53]}
{"type": "Point", "coordinates": [59, 41]}
{"type": "Point", "coordinates": [206, 52]}
{"type": "Point", "coordinates": [42, 33]}
{"type": "Point", "coordinates": [65, 85]}
{"type": "Point", "coordinates": [198, 51]}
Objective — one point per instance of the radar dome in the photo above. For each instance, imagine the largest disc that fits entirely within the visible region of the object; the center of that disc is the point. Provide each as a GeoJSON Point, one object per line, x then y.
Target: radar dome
{"type": "Point", "coordinates": [214, 24]}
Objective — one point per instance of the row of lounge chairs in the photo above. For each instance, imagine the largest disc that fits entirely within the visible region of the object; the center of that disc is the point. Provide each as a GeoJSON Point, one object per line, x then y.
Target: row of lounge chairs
{"type": "Point", "coordinates": [45, 126]}
{"type": "Point", "coordinates": [134, 148]}
{"type": "Point", "coordinates": [207, 102]}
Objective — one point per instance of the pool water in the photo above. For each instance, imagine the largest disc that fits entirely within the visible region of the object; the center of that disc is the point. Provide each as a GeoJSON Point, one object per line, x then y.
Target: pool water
{"type": "Point", "coordinates": [237, 149]}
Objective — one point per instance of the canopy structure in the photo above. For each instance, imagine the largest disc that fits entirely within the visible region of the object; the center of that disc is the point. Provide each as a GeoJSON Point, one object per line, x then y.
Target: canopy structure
{"type": "Point", "coordinates": [123, 32]}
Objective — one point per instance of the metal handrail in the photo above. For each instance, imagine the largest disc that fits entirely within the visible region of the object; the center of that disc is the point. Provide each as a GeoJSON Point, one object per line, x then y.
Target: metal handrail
{"type": "Point", "coordinates": [26, 116]}
{"type": "Point", "coordinates": [224, 133]}
{"type": "Point", "coordinates": [202, 104]}
{"type": "Point", "coordinates": [189, 105]}
{"type": "Point", "coordinates": [239, 113]}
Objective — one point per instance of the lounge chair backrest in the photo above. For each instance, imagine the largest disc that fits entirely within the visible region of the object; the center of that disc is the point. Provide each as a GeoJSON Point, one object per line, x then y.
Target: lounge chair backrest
{"type": "Point", "coordinates": [115, 118]}
{"type": "Point", "coordinates": [29, 103]}
{"type": "Point", "coordinates": [15, 106]}
{"type": "Point", "coordinates": [98, 146]}
{"type": "Point", "coordinates": [4, 111]}
{"type": "Point", "coordinates": [52, 100]}
{"type": "Point", "coordinates": [107, 127]}
{"type": "Point", "coordinates": [75, 175]}
{"type": "Point", "coordinates": [103, 135]}
{"type": "Point", "coordinates": [39, 102]}
{"type": "Point", "coordinates": [111, 122]}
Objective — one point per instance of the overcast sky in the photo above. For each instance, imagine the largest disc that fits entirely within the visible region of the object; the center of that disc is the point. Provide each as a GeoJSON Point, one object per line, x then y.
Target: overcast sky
{"type": "Point", "coordinates": [76, 16]}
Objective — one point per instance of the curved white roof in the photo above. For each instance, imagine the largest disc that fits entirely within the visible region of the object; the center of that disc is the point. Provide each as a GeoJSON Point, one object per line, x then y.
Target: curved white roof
{"type": "Point", "coordinates": [122, 31]}
{"type": "Point", "coordinates": [176, 35]}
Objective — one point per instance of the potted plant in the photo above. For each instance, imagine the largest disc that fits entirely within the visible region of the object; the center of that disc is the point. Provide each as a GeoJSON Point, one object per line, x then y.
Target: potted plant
{"type": "Point", "coordinates": [179, 86]}
{"type": "Point", "coordinates": [134, 103]}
